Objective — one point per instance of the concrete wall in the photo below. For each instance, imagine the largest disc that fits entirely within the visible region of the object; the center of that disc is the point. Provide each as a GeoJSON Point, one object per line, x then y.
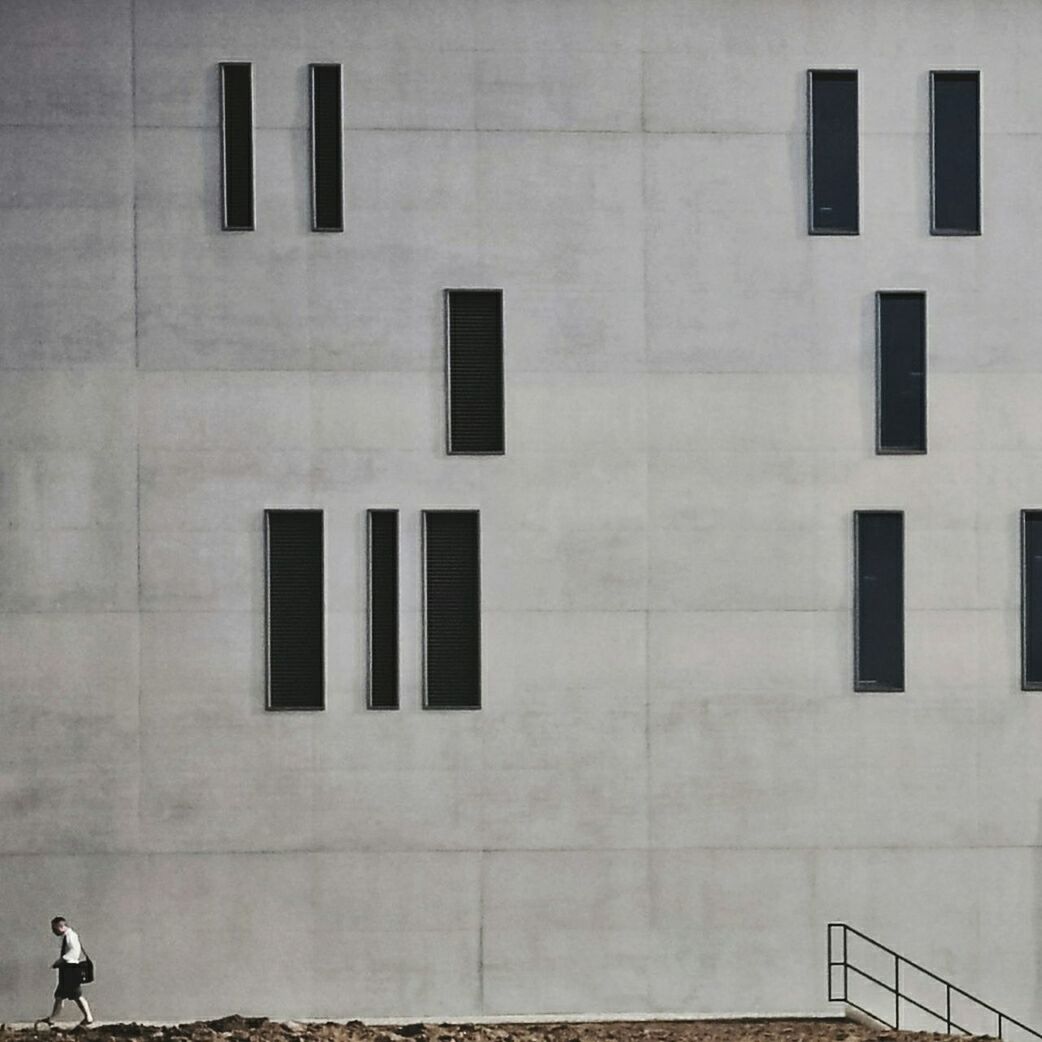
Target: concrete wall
{"type": "Point", "coordinates": [671, 786]}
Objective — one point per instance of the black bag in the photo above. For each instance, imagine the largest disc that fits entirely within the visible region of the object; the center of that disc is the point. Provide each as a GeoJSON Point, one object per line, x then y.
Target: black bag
{"type": "Point", "coordinates": [86, 970]}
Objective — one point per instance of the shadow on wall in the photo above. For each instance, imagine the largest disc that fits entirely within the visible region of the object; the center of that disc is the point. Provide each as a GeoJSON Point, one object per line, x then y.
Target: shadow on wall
{"type": "Point", "coordinates": [1035, 1013]}
{"type": "Point", "coordinates": [9, 977]}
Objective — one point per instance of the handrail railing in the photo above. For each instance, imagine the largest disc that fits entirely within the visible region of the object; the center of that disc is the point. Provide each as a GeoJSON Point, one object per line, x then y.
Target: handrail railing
{"type": "Point", "coordinates": [844, 963]}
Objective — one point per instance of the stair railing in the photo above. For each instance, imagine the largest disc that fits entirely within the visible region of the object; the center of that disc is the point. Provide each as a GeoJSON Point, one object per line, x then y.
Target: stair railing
{"type": "Point", "coordinates": [843, 963]}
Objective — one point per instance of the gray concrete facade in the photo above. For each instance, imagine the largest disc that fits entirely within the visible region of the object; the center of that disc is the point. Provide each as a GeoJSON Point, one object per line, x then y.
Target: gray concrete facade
{"type": "Point", "coordinates": [671, 785]}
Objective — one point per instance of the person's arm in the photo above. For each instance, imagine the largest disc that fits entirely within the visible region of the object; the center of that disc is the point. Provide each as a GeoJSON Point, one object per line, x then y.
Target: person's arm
{"type": "Point", "coordinates": [72, 953]}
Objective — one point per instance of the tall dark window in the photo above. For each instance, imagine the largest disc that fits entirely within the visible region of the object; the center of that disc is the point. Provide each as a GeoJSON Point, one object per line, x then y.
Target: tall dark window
{"type": "Point", "coordinates": [833, 149]}
{"type": "Point", "coordinates": [474, 350]}
{"type": "Point", "coordinates": [452, 609]}
{"type": "Point", "coordinates": [237, 146]}
{"type": "Point", "coordinates": [955, 152]}
{"type": "Point", "coordinates": [295, 609]}
{"type": "Point", "coordinates": [901, 372]}
{"type": "Point", "coordinates": [383, 609]}
{"type": "Point", "coordinates": [327, 150]}
{"type": "Point", "coordinates": [879, 657]}
{"type": "Point", "coordinates": [1031, 599]}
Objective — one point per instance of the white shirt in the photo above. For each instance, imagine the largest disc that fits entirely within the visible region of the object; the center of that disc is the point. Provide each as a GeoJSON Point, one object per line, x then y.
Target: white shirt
{"type": "Point", "coordinates": [73, 952]}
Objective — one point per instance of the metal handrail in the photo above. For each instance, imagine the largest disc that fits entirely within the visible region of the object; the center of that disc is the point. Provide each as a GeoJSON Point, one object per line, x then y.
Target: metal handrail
{"type": "Point", "coordinates": [895, 989]}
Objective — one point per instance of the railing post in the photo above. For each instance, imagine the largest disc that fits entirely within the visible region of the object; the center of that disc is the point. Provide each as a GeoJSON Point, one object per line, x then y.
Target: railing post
{"type": "Point", "coordinates": [897, 992]}
{"type": "Point", "coordinates": [828, 959]}
{"type": "Point", "coordinates": [948, 1007]}
{"type": "Point", "coordinates": [832, 963]}
{"type": "Point", "coordinates": [1000, 1025]}
{"type": "Point", "coordinates": [845, 992]}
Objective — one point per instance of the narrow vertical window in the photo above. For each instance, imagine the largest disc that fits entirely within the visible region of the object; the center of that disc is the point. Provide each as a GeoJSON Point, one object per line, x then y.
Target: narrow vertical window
{"type": "Point", "coordinates": [452, 609]}
{"type": "Point", "coordinates": [327, 150]}
{"type": "Point", "coordinates": [833, 152]}
{"type": "Point", "coordinates": [295, 609]}
{"type": "Point", "coordinates": [383, 609]}
{"type": "Point", "coordinates": [474, 350]}
{"type": "Point", "coordinates": [1031, 599]}
{"type": "Point", "coordinates": [879, 600]}
{"type": "Point", "coordinates": [955, 153]}
{"type": "Point", "coordinates": [237, 146]}
{"type": "Point", "coordinates": [900, 372]}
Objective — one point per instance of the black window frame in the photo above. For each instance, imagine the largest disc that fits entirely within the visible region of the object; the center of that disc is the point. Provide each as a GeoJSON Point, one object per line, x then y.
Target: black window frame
{"type": "Point", "coordinates": [812, 226]}
{"type": "Point", "coordinates": [316, 224]}
{"type": "Point", "coordinates": [1026, 683]}
{"type": "Point", "coordinates": [861, 685]}
{"type": "Point", "coordinates": [935, 229]}
{"type": "Point", "coordinates": [370, 703]}
{"type": "Point", "coordinates": [881, 449]}
{"type": "Point", "coordinates": [225, 225]}
{"type": "Point", "coordinates": [271, 706]}
{"type": "Point", "coordinates": [424, 586]}
{"type": "Point", "coordinates": [447, 308]}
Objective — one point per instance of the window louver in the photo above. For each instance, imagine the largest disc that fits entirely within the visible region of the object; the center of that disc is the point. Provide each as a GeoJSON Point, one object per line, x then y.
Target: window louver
{"type": "Point", "coordinates": [383, 609]}
{"type": "Point", "coordinates": [901, 348]}
{"type": "Point", "coordinates": [452, 609]}
{"type": "Point", "coordinates": [833, 148]}
{"type": "Point", "coordinates": [237, 145]}
{"type": "Point", "coordinates": [327, 168]}
{"type": "Point", "coordinates": [955, 152]}
{"type": "Point", "coordinates": [1031, 596]}
{"type": "Point", "coordinates": [296, 610]}
{"type": "Point", "coordinates": [474, 334]}
{"type": "Point", "coordinates": [879, 600]}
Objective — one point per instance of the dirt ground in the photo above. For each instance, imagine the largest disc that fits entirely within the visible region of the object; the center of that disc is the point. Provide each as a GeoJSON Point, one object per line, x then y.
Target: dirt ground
{"type": "Point", "coordinates": [259, 1029]}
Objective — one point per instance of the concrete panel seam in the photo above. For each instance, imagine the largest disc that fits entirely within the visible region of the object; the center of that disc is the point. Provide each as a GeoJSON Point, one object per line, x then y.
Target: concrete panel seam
{"type": "Point", "coordinates": [481, 931]}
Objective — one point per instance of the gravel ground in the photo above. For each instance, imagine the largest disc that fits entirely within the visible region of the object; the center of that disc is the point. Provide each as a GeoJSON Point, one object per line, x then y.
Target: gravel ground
{"type": "Point", "coordinates": [260, 1029]}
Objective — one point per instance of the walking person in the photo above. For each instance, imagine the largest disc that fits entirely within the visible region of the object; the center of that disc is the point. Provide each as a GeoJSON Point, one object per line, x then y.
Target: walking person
{"type": "Point", "coordinates": [70, 976]}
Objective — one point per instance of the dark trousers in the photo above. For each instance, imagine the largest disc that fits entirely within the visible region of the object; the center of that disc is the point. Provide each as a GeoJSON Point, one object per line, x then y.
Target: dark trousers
{"type": "Point", "coordinates": [70, 977]}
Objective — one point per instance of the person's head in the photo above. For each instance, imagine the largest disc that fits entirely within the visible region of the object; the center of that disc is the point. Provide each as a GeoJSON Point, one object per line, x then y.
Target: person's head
{"type": "Point", "coordinates": [59, 925]}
